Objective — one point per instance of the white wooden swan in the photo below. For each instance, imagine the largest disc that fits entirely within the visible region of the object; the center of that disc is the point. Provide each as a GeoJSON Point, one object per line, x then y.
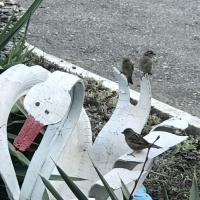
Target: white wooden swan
{"type": "Point", "coordinates": [14, 83]}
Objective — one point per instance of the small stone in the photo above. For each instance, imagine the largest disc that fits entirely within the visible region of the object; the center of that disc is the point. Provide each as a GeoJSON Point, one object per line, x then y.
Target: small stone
{"type": "Point", "coordinates": [2, 25]}
{"type": "Point", "coordinates": [4, 18]}
{"type": "Point", "coordinates": [2, 4]}
{"type": "Point", "coordinates": [6, 52]}
{"type": "Point", "coordinates": [14, 19]}
{"type": "Point", "coordinates": [10, 2]}
{"type": "Point", "coordinates": [4, 11]}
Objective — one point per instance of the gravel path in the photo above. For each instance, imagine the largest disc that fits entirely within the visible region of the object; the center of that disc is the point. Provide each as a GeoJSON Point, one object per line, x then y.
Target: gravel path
{"type": "Point", "coordinates": [96, 35]}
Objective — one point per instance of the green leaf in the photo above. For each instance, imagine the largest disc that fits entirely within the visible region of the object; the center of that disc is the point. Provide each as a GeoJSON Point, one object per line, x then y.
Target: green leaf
{"type": "Point", "coordinates": [21, 108]}
{"type": "Point", "coordinates": [51, 189]}
{"type": "Point", "coordinates": [108, 188]}
{"type": "Point", "coordinates": [194, 190]}
{"type": "Point", "coordinates": [77, 192]}
{"type": "Point", "coordinates": [11, 136]}
{"type": "Point", "coordinates": [20, 173]}
{"type": "Point", "coordinates": [16, 122]}
{"type": "Point", "coordinates": [3, 33]}
{"type": "Point", "coordinates": [18, 154]}
{"type": "Point", "coordinates": [24, 55]}
{"type": "Point", "coordinates": [164, 191]}
{"type": "Point", "coordinates": [6, 37]}
{"type": "Point", "coordinates": [54, 177]}
{"type": "Point", "coordinates": [45, 195]}
{"type": "Point", "coordinates": [125, 192]}
{"type": "Point", "coordinates": [11, 55]}
{"type": "Point", "coordinates": [19, 52]}
{"type": "Point", "coordinates": [6, 66]}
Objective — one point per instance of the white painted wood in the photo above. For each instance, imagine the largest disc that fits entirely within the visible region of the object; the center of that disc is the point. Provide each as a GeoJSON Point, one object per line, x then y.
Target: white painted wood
{"type": "Point", "coordinates": [68, 138]}
{"type": "Point", "coordinates": [53, 96]}
{"type": "Point", "coordinates": [74, 157]}
{"type": "Point", "coordinates": [174, 122]}
{"type": "Point", "coordinates": [110, 143]}
{"type": "Point", "coordinates": [165, 141]}
{"type": "Point", "coordinates": [56, 135]}
{"type": "Point", "coordinates": [88, 199]}
{"type": "Point", "coordinates": [14, 83]}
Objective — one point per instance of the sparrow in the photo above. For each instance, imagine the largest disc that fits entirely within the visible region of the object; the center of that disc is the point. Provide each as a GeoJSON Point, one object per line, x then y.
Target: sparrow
{"type": "Point", "coordinates": [135, 141]}
{"type": "Point", "coordinates": [145, 64]}
{"type": "Point", "coordinates": [127, 69]}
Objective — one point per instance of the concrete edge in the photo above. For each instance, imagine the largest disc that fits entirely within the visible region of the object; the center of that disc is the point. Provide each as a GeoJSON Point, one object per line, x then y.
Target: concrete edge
{"type": "Point", "coordinates": [193, 121]}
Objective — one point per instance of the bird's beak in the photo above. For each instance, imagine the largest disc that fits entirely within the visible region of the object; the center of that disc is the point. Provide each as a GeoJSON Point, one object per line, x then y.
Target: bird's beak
{"type": "Point", "coordinates": [154, 54]}
{"type": "Point", "coordinates": [122, 132]}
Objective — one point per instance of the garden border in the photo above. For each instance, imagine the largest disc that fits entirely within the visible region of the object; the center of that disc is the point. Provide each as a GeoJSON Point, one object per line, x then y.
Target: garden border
{"type": "Point", "coordinates": [194, 122]}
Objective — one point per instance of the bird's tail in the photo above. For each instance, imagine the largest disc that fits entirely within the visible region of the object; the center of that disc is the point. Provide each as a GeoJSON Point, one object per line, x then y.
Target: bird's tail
{"type": "Point", "coordinates": [130, 80]}
{"type": "Point", "coordinates": [156, 146]}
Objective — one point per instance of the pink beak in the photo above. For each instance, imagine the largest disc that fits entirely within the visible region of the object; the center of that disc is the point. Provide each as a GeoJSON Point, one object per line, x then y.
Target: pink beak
{"type": "Point", "coordinates": [28, 133]}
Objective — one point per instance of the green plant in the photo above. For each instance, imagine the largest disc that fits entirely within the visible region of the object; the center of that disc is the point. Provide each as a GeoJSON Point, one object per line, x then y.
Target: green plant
{"type": "Point", "coordinates": [18, 52]}
{"type": "Point", "coordinates": [8, 34]}
{"type": "Point", "coordinates": [194, 190]}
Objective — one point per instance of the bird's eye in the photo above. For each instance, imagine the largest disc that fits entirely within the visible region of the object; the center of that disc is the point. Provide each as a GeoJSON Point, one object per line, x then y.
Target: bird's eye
{"type": "Point", "coordinates": [37, 103]}
{"type": "Point", "coordinates": [46, 112]}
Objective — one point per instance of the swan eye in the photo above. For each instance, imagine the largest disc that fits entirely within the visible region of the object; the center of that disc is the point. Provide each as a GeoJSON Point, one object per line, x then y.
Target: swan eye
{"type": "Point", "coordinates": [46, 112]}
{"type": "Point", "coordinates": [37, 103]}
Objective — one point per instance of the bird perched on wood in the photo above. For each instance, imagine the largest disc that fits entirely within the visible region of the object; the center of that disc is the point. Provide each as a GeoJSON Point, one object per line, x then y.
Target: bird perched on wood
{"type": "Point", "coordinates": [135, 141]}
{"type": "Point", "coordinates": [145, 64]}
{"type": "Point", "coordinates": [127, 69]}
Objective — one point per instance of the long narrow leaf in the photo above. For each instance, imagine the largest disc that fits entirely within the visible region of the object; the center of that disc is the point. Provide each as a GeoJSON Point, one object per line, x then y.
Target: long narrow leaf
{"type": "Point", "coordinates": [18, 154]}
{"type": "Point", "coordinates": [11, 55]}
{"type": "Point", "coordinates": [77, 192]}
{"type": "Point", "coordinates": [45, 195]}
{"type": "Point", "coordinates": [11, 136]}
{"type": "Point", "coordinates": [54, 177]}
{"type": "Point", "coordinates": [108, 188]}
{"type": "Point", "coordinates": [21, 108]}
{"type": "Point", "coordinates": [194, 191]}
{"type": "Point", "coordinates": [125, 191]}
{"type": "Point", "coordinates": [19, 24]}
{"type": "Point", "coordinates": [19, 51]}
{"type": "Point", "coordinates": [24, 55]}
{"type": "Point", "coordinates": [164, 191]}
{"type": "Point", "coordinates": [16, 122]}
{"type": "Point", "coordinates": [6, 28]}
{"type": "Point", "coordinates": [51, 189]}
{"type": "Point", "coordinates": [6, 66]}
{"type": "Point", "coordinates": [20, 173]}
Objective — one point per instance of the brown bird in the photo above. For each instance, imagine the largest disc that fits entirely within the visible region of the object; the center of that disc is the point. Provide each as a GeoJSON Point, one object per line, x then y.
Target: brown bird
{"type": "Point", "coordinates": [127, 69]}
{"type": "Point", "coordinates": [135, 141]}
{"type": "Point", "coordinates": [145, 64]}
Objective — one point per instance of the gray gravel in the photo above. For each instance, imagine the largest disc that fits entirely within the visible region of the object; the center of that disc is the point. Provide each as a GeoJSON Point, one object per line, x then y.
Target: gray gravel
{"type": "Point", "coordinates": [96, 35]}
